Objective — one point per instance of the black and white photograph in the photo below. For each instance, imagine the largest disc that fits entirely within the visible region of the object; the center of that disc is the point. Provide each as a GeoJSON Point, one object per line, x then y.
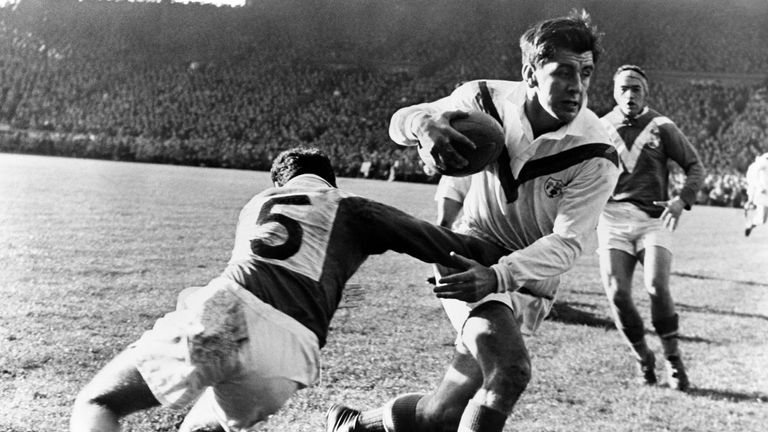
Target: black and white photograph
{"type": "Point", "coordinates": [384, 215]}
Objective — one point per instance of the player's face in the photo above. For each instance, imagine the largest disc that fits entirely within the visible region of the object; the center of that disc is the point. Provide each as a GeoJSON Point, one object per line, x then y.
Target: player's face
{"type": "Point", "coordinates": [562, 83]}
{"type": "Point", "coordinates": [629, 93]}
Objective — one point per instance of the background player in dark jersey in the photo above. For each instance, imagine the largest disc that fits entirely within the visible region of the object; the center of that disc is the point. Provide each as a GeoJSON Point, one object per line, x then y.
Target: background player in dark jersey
{"type": "Point", "coordinates": [240, 346]}
{"type": "Point", "coordinates": [632, 227]}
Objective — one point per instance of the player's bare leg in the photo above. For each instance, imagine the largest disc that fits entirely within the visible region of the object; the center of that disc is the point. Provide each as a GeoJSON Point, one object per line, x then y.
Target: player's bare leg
{"type": "Point", "coordinates": [617, 268]}
{"type": "Point", "coordinates": [489, 372]}
{"type": "Point", "coordinates": [116, 391]}
{"type": "Point", "coordinates": [658, 266]}
{"type": "Point", "coordinates": [492, 336]}
{"type": "Point", "coordinates": [754, 215]}
{"type": "Point", "coordinates": [446, 405]}
{"type": "Point", "coordinates": [749, 225]}
{"type": "Point", "coordinates": [416, 411]}
{"type": "Point", "coordinates": [250, 400]}
{"type": "Point", "coordinates": [440, 410]}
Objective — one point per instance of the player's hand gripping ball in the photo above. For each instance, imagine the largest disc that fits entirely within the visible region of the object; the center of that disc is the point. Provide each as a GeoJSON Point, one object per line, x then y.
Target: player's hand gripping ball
{"type": "Point", "coordinates": [487, 135]}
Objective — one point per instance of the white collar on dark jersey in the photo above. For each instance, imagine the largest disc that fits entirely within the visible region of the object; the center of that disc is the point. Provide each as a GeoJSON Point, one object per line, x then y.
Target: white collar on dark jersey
{"type": "Point", "coordinates": [307, 180]}
{"type": "Point", "coordinates": [633, 119]}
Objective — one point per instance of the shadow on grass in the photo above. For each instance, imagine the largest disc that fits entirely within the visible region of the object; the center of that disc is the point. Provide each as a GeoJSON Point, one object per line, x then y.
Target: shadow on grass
{"type": "Point", "coordinates": [686, 307]}
{"type": "Point", "coordinates": [579, 313]}
{"type": "Point", "coordinates": [699, 276]}
{"type": "Point", "coordinates": [725, 395]}
{"type": "Point", "coordinates": [566, 313]}
{"type": "Point", "coordinates": [692, 339]}
{"type": "Point", "coordinates": [708, 310]}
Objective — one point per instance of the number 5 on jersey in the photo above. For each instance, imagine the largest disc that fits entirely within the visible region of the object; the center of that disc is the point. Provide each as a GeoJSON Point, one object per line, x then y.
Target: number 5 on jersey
{"type": "Point", "coordinates": [295, 232]}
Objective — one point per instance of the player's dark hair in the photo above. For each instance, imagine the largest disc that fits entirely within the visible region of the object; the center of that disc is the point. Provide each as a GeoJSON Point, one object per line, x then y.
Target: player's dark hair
{"type": "Point", "coordinates": [631, 67]}
{"type": "Point", "coordinates": [574, 32]}
{"type": "Point", "coordinates": [301, 160]}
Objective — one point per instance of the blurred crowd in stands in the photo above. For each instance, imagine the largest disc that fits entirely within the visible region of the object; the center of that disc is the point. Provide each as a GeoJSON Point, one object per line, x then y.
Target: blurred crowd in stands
{"type": "Point", "coordinates": [231, 87]}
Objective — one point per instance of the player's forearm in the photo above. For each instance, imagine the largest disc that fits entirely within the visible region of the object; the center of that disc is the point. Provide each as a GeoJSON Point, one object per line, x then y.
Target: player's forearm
{"type": "Point", "coordinates": [387, 228]}
{"type": "Point", "coordinates": [694, 178]}
{"type": "Point", "coordinates": [405, 122]}
{"type": "Point", "coordinates": [548, 257]}
{"type": "Point", "coordinates": [448, 211]}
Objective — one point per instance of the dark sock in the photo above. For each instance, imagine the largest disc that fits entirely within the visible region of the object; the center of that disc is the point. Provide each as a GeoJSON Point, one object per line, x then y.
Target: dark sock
{"type": "Point", "coordinates": [636, 337]}
{"type": "Point", "coordinates": [400, 413]}
{"type": "Point", "coordinates": [667, 329]}
{"type": "Point", "coordinates": [634, 334]}
{"type": "Point", "coordinates": [480, 418]}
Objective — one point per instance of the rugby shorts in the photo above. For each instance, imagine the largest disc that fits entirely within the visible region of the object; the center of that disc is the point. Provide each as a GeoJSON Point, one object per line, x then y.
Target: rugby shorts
{"type": "Point", "coordinates": [623, 226]}
{"type": "Point", "coordinates": [529, 311]}
{"type": "Point", "coordinates": [224, 337]}
{"type": "Point", "coordinates": [528, 308]}
{"type": "Point", "coordinates": [759, 215]}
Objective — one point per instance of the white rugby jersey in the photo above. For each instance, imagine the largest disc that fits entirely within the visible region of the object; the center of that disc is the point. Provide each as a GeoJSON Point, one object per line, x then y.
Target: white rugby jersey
{"type": "Point", "coordinates": [296, 246]}
{"type": "Point", "coordinates": [544, 200]}
{"type": "Point", "coordinates": [757, 181]}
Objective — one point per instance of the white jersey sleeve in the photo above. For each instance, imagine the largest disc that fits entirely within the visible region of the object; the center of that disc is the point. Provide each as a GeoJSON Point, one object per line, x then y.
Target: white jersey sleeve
{"type": "Point", "coordinates": [576, 219]}
{"type": "Point", "coordinates": [401, 125]}
{"type": "Point", "coordinates": [453, 188]}
{"type": "Point", "coordinates": [757, 181]}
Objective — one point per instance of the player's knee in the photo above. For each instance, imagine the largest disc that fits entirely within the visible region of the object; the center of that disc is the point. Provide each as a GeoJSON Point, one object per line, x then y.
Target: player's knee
{"type": "Point", "coordinates": [92, 400]}
{"type": "Point", "coordinates": [658, 287]}
{"type": "Point", "coordinates": [619, 293]}
{"type": "Point", "coordinates": [506, 366]}
{"type": "Point", "coordinates": [510, 376]}
{"type": "Point", "coordinates": [503, 385]}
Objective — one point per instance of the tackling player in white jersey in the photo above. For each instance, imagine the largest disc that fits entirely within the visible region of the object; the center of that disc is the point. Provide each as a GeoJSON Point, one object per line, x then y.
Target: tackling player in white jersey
{"type": "Point", "coordinates": [757, 193]}
{"type": "Point", "coordinates": [240, 346]}
{"type": "Point", "coordinates": [541, 200]}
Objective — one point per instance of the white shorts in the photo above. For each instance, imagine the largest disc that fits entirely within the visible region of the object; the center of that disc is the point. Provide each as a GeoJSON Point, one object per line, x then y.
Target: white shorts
{"type": "Point", "coordinates": [623, 226]}
{"type": "Point", "coordinates": [529, 310]}
{"type": "Point", "coordinates": [759, 215]}
{"type": "Point", "coordinates": [224, 337]}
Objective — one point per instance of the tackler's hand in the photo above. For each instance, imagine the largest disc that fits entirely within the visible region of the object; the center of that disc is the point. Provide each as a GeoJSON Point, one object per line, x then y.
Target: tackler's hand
{"type": "Point", "coordinates": [436, 135]}
{"type": "Point", "coordinates": [673, 208]}
{"type": "Point", "coordinates": [473, 282]}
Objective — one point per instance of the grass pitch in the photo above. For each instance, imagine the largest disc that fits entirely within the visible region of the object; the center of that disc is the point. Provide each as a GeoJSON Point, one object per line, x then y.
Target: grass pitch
{"type": "Point", "coordinates": [92, 252]}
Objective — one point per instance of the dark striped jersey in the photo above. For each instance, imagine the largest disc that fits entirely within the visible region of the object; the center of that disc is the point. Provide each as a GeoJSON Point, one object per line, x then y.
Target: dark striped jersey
{"type": "Point", "coordinates": [296, 246]}
{"type": "Point", "coordinates": [645, 144]}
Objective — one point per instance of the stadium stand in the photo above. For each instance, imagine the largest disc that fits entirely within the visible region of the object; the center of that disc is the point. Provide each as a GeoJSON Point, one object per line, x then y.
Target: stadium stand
{"type": "Point", "coordinates": [221, 86]}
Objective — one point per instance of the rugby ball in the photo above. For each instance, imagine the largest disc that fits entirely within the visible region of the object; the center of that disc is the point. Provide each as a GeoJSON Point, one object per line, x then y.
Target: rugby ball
{"type": "Point", "coordinates": [488, 136]}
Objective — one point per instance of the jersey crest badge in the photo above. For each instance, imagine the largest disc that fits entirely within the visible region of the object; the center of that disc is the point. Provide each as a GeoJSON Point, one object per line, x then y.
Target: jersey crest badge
{"type": "Point", "coordinates": [553, 187]}
{"type": "Point", "coordinates": [654, 138]}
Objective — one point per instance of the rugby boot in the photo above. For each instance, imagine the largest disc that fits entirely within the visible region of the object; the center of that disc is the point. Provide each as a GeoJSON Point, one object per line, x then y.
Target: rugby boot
{"type": "Point", "coordinates": [647, 369]}
{"type": "Point", "coordinates": [676, 376]}
{"type": "Point", "coordinates": [340, 418]}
